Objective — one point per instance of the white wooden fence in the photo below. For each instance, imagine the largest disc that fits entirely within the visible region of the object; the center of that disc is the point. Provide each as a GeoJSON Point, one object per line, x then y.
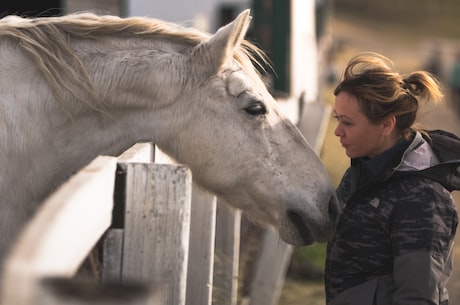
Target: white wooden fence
{"type": "Point", "coordinates": [147, 248]}
{"type": "Point", "coordinates": [150, 249]}
{"type": "Point", "coordinates": [156, 248]}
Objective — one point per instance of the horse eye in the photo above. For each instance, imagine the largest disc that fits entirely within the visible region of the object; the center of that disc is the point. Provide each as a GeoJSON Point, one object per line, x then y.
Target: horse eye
{"type": "Point", "coordinates": [256, 109]}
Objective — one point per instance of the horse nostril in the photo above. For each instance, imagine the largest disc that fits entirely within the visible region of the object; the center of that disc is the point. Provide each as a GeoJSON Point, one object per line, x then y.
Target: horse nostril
{"type": "Point", "coordinates": [302, 228]}
{"type": "Point", "coordinates": [296, 218]}
{"type": "Point", "coordinates": [293, 215]}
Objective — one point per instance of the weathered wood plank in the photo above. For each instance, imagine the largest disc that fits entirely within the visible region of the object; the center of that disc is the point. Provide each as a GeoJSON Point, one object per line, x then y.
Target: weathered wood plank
{"type": "Point", "coordinates": [63, 231]}
{"type": "Point", "coordinates": [157, 226]}
{"type": "Point", "coordinates": [201, 249]}
{"type": "Point", "coordinates": [270, 270]}
{"type": "Point", "coordinates": [113, 240]}
{"type": "Point", "coordinates": [162, 158]}
{"type": "Point", "coordinates": [140, 153]}
{"type": "Point", "coordinates": [202, 238]}
{"type": "Point", "coordinates": [112, 256]}
{"type": "Point", "coordinates": [228, 225]}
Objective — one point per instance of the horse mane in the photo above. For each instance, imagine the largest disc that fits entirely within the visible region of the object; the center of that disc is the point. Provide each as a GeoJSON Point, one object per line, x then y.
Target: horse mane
{"type": "Point", "coordinates": [46, 41]}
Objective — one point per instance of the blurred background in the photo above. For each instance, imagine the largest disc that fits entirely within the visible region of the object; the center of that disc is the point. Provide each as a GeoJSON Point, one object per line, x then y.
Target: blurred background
{"type": "Point", "coordinates": [309, 43]}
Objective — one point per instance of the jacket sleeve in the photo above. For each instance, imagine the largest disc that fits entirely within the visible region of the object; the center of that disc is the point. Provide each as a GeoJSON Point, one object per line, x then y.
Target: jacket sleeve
{"type": "Point", "coordinates": [421, 234]}
{"type": "Point", "coordinates": [420, 278]}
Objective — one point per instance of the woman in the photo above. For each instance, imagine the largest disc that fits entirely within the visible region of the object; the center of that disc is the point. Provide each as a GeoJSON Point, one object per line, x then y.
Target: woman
{"type": "Point", "coordinates": [394, 240]}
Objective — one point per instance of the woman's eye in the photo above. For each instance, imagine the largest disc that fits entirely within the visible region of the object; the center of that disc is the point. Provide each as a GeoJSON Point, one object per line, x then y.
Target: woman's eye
{"type": "Point", "coordinates": [256, 109]}
{"type": "Point", "coordinates": [342, 121]}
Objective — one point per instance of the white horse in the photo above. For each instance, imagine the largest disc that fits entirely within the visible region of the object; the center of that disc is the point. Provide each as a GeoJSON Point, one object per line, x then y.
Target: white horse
{"type": "Point", "coordinates": [82, 85]}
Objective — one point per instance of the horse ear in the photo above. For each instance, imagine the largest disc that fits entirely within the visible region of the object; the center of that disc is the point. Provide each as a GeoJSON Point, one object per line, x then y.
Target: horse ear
{"type": "Point", "coordinates": [211, 55]}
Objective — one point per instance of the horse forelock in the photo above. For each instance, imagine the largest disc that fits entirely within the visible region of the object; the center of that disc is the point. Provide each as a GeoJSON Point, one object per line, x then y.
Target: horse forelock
{"type": "Point", "coordinates": [47, 41]}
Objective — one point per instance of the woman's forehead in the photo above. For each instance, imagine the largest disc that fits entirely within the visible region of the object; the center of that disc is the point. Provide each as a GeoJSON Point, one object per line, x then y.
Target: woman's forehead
{"type": "Point", "coordinates": [346, 102]}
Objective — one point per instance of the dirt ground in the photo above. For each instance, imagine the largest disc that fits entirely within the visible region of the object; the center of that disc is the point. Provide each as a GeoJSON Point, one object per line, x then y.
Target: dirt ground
{"type": "Point", "coordinates": [408, 55]}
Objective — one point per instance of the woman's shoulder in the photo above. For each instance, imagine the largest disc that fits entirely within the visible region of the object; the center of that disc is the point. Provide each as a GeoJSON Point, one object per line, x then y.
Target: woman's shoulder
{"type": "Point", "coordinates": [419, 191]}
{"type": "Point", "coordinates": [416, 184]}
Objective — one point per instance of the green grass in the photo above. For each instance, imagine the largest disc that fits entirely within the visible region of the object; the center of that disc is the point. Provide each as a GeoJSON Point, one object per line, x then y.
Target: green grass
{"type": "Point", "coordinates": [313, 256]}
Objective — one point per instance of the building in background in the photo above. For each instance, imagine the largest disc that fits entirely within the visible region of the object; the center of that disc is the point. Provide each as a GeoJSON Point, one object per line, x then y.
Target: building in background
{"type": "Point", "coordinates": [28, 8]}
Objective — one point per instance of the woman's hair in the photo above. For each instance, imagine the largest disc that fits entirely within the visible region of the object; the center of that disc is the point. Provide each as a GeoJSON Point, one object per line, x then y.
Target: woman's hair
{"type": "Point", "coordinates": [381, 92]}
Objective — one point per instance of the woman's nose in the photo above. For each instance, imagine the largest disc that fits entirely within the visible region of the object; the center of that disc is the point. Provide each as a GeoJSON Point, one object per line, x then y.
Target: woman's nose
{"type": "Point", "coordinates": [338, 131]}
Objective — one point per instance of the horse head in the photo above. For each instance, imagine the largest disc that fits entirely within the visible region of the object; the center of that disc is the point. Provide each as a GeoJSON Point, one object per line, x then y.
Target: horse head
{"type": "Point", "coordinates": [240, 146]}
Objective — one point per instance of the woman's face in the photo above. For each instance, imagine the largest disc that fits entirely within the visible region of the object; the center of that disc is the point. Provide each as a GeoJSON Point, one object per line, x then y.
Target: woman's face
{"type": "Point", "coordinates": [357, 134]}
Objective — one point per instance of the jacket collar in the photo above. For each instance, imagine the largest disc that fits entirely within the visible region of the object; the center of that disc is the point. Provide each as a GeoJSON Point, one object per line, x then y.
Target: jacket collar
{"type": "Point", "coordinates": [418, 156]}
{"type": "Point", "coordinates": [365, 171]}
{"type": "Point", "coordinates": [436, 156]}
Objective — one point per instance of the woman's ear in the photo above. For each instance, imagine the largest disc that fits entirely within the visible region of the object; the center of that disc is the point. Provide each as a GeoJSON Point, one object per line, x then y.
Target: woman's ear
{"type": "Point", "coordinates": [388, 125]}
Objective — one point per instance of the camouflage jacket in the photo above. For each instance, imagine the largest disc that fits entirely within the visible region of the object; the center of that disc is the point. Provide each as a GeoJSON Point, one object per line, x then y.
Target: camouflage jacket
{"type": "Point", "coordinates": [394, 240]}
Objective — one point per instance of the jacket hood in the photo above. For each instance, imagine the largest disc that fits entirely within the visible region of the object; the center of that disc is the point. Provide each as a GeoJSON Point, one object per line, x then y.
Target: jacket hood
{"type": "Point", "coordinates": [435, 156]}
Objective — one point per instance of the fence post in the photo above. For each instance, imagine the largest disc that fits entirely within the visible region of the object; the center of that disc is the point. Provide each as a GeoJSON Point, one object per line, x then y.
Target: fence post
{"type": "Point", "coordinates": [113, 239]}
{"type": "Point", "coordinates": [157, 222]}
{"type": "Point", "coordinates": [270, 269]}
{"type": "Point", "coordinates": [201, 251]}
{"type": "Point", "coordinates": [228, 225]}
{"type": "Point", "coordinates": [202, 241]}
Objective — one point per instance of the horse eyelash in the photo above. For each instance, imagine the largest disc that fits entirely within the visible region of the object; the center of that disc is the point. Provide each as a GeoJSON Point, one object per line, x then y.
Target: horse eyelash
{"type": "Point", "coordinates": [256, 108]}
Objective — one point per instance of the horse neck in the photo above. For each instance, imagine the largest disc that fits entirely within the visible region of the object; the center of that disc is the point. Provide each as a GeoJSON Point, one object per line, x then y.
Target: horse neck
{"type": "Point", "coordinates": [134, 109]}
{"type": "Point", "coordinates": [135, 73]}
{"type": "Point", "coordinates": [137, 82]}
{"type": "Point", "coordinates": [140, 83]}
